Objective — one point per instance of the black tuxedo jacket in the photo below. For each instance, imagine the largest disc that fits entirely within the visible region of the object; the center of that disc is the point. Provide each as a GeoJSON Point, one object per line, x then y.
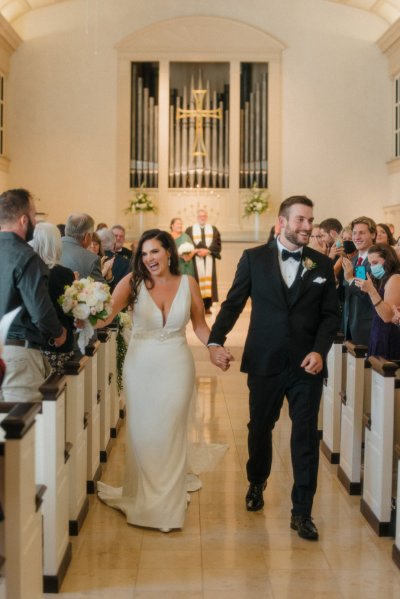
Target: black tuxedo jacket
{"type": "Point", "coordinates": [282, 331]}
{"type": "Point", "coordinates": [358, 310]}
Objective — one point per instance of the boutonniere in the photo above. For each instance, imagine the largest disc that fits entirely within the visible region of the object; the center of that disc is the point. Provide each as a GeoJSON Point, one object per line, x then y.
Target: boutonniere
{"type": "Point", "coordinates": [308, 264]}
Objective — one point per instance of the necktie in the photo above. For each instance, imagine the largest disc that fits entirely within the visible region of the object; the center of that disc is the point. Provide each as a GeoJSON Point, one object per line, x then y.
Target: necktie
{"type": "Point", "coordinates": [359, 261]}
{"type": "Point", "coordinates": [295, 255]}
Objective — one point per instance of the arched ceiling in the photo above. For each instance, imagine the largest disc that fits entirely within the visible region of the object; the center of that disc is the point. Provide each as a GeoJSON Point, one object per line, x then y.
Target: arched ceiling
{"type": "Point", "coordinates": [388, 10]}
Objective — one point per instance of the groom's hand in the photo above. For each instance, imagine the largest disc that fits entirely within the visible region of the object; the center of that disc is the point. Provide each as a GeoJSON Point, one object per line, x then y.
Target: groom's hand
{"type": "Point", "coordinates": [220, 356]}
{"type": "Point", "coordinates": [312, 363]}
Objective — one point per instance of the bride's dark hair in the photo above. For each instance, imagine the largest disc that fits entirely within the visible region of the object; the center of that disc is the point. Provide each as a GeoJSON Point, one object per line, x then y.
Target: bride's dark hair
{"type": "Point", "coordinates": [140, 273]}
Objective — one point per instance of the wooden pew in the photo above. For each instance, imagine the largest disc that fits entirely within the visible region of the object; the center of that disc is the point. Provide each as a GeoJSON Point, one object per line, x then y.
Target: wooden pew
{"type": "Point", "coordinates": [334, 387]}
{"type": "Point", "coordinates": [52, 455]}
{"type": "Point", "coordinates": [104, 384]}
{"type": "Point", "coordinates": [396, 544]}
{"type": "Point", "coordinates": [92, 409]}
{"type": "Point", "coordinates": [355, 400]}
{"type": "Point", "coordinates": [21, 500]}
{"type": "Point", "coordinates": [76, 435]}
{"type": "Point", "coordinates": [376, 502]}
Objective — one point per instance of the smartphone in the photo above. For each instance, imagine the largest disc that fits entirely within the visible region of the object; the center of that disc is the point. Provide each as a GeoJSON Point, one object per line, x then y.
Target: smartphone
{"type": "Point", "coordinates": [338, 244]}
{"type": "Point", "coordinates": [360, 272]}
{"type": "Point", "coordinates": [349, 247]}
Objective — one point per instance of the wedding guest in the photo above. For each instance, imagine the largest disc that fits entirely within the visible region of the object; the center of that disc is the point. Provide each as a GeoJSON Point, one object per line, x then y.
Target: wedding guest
{"type": "Point", "coordinates": [61, 228]}
{"type": "Point", "coordinates": [316, 242]}
{"type": "Point", "coordinates": [121, 257]}
{"type": "Point", "coordinates": [384, 235]}
{"type": "Point", "coordinates": [358, 310]}
{"type": "Point", "coordinates": [186, 265]}
{"type": "Point", "coordinates": [330, 230]}
{"type": "Point", "coordinates": [105, 262]}
{"type": "Point", "coordinates": [207, 241]}
{"type": "Point", "coordinates": [75, 254]}
{"type": "Point", "coordinates": [293, 321]}
{"type": "Point", "coordinates": [120, 249]}
{"type": "Point", "coordinates": [47, 243]}
{"type": "Point", "coordinates": [383, 289]}
{"type": "Point", "coordinates": [24, 284]}
{"type": "Point", "coordinates": [101, 226]}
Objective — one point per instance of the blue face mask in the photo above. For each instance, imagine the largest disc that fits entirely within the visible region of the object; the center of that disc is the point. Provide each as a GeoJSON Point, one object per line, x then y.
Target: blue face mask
{"type": "Point", "coordinates": [378, 271]}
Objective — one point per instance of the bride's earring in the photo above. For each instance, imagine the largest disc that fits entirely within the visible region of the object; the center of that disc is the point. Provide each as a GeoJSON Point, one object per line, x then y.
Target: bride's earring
{"type": "Point", "coordinates": [169, 262]}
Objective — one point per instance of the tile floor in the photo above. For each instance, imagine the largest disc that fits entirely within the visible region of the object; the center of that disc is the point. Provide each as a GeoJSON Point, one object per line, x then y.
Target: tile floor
{"type": "Point", "coordinates": [225, 551]}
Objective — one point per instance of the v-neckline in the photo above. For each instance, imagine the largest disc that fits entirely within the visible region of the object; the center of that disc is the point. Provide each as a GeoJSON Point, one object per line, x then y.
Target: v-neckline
{"type": "Point", "coordinates": [171, 306]}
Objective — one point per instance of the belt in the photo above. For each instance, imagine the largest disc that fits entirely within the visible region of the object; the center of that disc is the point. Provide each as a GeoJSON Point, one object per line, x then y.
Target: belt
{"type": "Point", "coordinates": [23, 343]}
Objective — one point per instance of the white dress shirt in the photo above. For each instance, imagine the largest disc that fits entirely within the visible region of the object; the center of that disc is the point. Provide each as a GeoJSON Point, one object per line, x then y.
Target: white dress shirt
{"type": "Point", "coordinates": [290, 266]}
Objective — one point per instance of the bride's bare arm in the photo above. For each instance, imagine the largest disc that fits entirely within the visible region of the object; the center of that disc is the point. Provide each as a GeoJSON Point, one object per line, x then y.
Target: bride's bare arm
{"type": "Point", "coordinates": [197, 317]}
{"type": "Point", "coordinates": [120, 299]}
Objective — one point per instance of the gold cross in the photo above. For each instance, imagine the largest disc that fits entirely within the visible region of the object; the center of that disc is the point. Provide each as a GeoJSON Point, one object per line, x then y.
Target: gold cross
{"type": "Point", "coordinates": [200, 113]}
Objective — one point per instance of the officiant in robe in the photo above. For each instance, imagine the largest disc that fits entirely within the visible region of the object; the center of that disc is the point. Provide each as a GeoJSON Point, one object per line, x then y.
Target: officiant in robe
{"type": "Point", "coordinates": [207, 240]}
{"type": "Point", "coordinates": [294, 319]}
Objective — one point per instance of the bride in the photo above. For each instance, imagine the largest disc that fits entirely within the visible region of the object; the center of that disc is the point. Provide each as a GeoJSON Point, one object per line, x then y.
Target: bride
{"type": "Point", "coordinates": [159, 382]}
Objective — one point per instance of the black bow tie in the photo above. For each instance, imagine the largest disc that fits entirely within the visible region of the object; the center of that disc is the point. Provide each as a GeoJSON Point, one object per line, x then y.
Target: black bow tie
{"type": "Point", "coordinates": [295, 255]}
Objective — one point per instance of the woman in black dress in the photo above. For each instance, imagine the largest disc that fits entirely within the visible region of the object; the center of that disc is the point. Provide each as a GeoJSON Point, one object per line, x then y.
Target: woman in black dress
{"type": "Point", "coordinates": [383, 289]}
{"type": "Point", "coordinates": [47, 243]}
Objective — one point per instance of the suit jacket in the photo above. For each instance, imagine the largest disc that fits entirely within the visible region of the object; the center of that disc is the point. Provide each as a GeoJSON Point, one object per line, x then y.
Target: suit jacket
{"type": "Point", "coordinates": [358, 311]}
{"type": "Point", "coordinates": [282, 331]}
{"type": "Point", "coordinates": [75, 257]}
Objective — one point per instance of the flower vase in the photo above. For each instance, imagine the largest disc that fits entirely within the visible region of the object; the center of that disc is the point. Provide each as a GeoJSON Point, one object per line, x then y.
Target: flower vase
{"type": "Point", "coordinates": [256, 226]}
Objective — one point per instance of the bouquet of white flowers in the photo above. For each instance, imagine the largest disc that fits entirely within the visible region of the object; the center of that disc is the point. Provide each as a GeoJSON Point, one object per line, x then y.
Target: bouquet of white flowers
{"type": "Point", "coordinates": [185, 248]}
{"type": "Point", "coordinates": [256, 203]}
{"type": "Point", "coordinates": [86, 300]}
{"type": "Point", "coordinates": [141, 202]}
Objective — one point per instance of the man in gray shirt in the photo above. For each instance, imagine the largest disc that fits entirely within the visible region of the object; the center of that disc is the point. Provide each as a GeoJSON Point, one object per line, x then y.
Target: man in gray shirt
{"type": "Point", "coordinates": [24, 283]}
{"type": "Point", "coordinates": [75, 255]}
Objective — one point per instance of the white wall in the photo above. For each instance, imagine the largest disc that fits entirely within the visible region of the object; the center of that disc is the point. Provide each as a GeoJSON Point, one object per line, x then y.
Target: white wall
{"type": "Point", "coordinates": [336, 101]}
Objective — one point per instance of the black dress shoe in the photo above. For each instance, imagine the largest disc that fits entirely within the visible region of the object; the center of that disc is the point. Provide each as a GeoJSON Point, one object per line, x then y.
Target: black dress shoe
{"type": "Point", "coordinates": [305, 527]}
{"type": "Point", "coordinates": [254, 497]}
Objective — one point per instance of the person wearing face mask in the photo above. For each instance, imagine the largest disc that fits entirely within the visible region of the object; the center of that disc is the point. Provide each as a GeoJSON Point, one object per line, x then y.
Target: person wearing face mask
{"type": "Point", "coordinates": [383, 288]}
{"type": "Point", "coordinates": [24, 283]}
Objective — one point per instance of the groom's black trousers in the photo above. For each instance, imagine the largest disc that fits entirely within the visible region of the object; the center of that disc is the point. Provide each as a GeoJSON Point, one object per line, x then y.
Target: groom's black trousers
{"type": "Point", "coordinates": [303, 392]}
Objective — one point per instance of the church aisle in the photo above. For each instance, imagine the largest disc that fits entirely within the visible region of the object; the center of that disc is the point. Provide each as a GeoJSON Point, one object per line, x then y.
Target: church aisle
{"type": "Point", "coordinates": [225, 551]}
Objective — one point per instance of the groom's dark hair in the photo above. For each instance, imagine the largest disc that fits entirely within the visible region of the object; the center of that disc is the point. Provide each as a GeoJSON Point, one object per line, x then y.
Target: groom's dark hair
{"type": "Point", "coordinates": [286, 205]}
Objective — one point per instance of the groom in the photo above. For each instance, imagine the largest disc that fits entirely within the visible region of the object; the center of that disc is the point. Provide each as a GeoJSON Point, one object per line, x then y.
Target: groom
{"type": "Point", "coordinates": [294, 318]}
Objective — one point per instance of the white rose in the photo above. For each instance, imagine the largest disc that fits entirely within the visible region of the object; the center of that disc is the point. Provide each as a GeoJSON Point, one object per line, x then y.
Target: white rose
{"type": "Point", "coordinates": [67, 304]}
{"type": "Point", "coordinates": [91, 300]}
{"type": "Point", "coordinates": [81, 311]}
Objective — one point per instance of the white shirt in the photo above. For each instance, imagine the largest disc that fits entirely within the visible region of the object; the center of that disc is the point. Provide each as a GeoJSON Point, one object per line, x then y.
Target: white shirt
{"type": "Point", "coordinates": [290, 266]}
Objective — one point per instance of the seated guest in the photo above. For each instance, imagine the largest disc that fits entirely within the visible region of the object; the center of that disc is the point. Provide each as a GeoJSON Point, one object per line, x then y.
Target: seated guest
{"type": "Point", "coordinates": [384, 235]}
{"type": "Point", "coordinates": [105, 262]}
{"type": "Point", "coordinates": [47, 243]}
{"type": "Point", "coordinates": [61, 228]}
{"type": "Point", "coordinates": [119, 233]}
{"type": "Point", "coordinates": [358, 310]}
{"type": "Point", "coordinates": [383, 289]}
{"type": "Point", "coordinates": [186, 265]}
{"type": "Point", "coordinates": [24, 284]}
{"type": "Point", "coordinates": [75, 255]}
{"type": "Point", "coordinates": [120, 261]}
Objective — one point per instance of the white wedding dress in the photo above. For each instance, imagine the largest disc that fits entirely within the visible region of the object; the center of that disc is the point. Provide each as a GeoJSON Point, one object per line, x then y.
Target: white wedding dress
{"type": "Point", "coordinates": [159, 378]}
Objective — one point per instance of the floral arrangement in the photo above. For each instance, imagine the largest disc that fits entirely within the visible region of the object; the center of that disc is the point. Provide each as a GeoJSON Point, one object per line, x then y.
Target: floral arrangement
{"type": "Point", "coordinates": [257, 202]}
{"type": "Point", "coordinates": [124, 320]}
{"type": "Point", "coordinates": [89, 301]}
{"type": "Point", "coordinates": [185, 248]}
{"type": "Point", "coordinates": [141, 202]}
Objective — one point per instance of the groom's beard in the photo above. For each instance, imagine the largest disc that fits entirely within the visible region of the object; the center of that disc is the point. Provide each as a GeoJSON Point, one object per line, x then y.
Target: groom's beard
{"type": "Point", "coordinates": [298, 238]}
